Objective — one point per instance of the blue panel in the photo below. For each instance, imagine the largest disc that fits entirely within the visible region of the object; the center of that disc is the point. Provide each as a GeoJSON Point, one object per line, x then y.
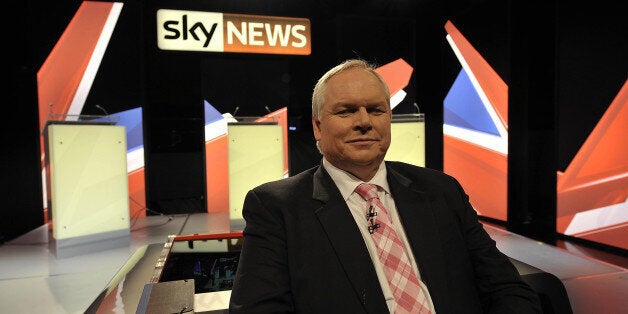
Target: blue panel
{"type": "Point", "coordinates": [464, 108]}
{"type": "Point", "coordinates": [132, 121]}
{"type": "Point", "coordinates": [211, 114]}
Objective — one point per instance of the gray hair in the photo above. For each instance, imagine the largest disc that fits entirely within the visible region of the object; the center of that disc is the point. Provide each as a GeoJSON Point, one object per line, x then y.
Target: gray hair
{"type": "Point", "coordinates": [318, 97]}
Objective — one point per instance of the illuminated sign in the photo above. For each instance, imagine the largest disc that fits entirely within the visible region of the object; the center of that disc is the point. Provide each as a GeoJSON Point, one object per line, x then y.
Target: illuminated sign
{"type": "Point", "coordinates": [223, 32]}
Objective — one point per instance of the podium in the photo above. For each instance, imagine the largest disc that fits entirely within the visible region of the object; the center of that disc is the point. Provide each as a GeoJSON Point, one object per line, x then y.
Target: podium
{"type": "Point", "coordinates": [407, 133]}
{"type": "Point", "coordinates": [87, 186]}
{"type": "Point", "coordinates": [256, 156]}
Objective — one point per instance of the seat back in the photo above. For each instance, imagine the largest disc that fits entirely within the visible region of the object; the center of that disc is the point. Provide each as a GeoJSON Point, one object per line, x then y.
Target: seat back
{"type": "Point", "coordinates": [551, 291]}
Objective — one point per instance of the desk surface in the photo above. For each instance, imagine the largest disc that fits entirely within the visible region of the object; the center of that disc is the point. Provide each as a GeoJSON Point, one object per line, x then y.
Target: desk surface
{"type": "Point", "coordinates": [33, 280]}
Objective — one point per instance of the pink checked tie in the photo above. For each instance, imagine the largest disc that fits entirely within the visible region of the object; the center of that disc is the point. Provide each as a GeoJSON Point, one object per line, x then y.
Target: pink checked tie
{"type": "Point", "coordinates": [403, 282]}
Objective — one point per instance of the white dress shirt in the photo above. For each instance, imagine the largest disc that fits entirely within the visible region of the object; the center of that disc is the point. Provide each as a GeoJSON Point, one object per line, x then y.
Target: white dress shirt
{"type": "Point", "coordinates": [347, 183]}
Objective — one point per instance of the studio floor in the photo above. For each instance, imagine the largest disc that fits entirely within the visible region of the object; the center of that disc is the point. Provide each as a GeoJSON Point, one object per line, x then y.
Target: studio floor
{"type": "Point", "coordinates": [34, 280]}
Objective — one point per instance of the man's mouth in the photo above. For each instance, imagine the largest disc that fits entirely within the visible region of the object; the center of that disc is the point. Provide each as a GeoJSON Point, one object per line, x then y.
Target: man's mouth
{"type": "Point", "coordinates": [362, 140]}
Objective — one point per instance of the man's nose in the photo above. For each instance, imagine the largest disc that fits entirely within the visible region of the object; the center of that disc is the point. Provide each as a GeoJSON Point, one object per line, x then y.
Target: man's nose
{"type": "Point", "coordinates": [363, 119]}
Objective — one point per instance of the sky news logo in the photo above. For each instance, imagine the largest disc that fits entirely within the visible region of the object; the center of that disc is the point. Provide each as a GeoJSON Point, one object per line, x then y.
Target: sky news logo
{"type": "Point", "coordinates": [222, 32]}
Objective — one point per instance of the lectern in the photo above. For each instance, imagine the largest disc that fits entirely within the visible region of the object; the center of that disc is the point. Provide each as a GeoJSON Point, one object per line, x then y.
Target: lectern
{"type": "Point", "coordinates": [87, 185]}
{"type": "Point", "coordinates": [407, 139]}
{"type": "Point", "coordinates": [255, 157]}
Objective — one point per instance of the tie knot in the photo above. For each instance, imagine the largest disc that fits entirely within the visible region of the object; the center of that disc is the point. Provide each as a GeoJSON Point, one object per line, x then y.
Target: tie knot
{"type": "Point", "coordinates": [367, 191]}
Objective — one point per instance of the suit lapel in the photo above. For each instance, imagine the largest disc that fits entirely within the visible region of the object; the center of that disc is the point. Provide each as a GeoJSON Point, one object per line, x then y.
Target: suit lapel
{"type": "Point", "coordinates": [418, 215]}
{"type": "Point", "coordinates": [344, 236]}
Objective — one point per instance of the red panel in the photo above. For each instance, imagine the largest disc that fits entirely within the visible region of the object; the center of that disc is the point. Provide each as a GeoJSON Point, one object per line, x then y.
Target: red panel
{"type": "Point", "coordinates": [598, 174]}
{"type": "Point", "coordinates": [59, 77]}
{"type": "Point", "coordinates": [217, 174]}
{"type": "Point", "coordinates": [281, 117]}
{"type": "Point", "coordinates": [482, 173]}
{"type": "Point", "coordinates": [396, 74]}
{"type": "Point", "coordinates": [137, 194]}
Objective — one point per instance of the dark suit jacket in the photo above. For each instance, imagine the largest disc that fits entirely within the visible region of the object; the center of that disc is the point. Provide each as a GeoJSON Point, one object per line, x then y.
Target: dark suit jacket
{"type": "Point", "coordinates": [302, 251]}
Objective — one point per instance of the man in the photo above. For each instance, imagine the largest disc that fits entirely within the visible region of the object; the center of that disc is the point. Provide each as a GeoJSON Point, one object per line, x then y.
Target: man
{"type": "Point", "coordinates": [311, 241]}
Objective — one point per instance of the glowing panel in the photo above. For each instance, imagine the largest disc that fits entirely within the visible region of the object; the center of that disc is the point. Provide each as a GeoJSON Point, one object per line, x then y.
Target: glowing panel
{"type": "Point", "coordinates": [88, 179]}
{"type": "Point", "coordinates": [255, 157]}
{"type": "Point", "coordinates": [408, 141]}
{"type": "Point", "coordinates": [475, 129]}
{"type": "Point", "coordinates": [592, 193]}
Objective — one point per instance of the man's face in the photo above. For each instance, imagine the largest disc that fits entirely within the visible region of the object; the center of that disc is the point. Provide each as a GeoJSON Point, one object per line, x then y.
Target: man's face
{"type": "Point", "coordinates": [353, 129]}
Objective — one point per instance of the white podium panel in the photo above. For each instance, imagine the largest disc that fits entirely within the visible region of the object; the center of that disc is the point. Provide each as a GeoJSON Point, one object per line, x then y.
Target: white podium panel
{"type": "Point", "coordinates": [255, 157]}
{"type": "Point", "coordinates": [407, 139]}
{"type": "Point", "coordinates": [88, 182]}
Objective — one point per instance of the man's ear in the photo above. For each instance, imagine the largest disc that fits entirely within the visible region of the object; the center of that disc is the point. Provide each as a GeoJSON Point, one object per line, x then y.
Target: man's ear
{"type": "Point", "coordinates": [316, 126]}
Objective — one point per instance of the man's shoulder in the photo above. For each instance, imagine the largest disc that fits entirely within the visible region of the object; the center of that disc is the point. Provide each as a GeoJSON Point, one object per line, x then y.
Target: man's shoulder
{"type": "Point", "coordinates": [412, 169]}
{"type": "Point", "coordinates": [416, 173]}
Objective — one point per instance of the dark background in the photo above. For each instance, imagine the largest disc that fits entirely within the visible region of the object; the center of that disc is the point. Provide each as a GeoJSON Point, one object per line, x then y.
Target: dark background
{"type": "Point", "coordinates": [563, 62]}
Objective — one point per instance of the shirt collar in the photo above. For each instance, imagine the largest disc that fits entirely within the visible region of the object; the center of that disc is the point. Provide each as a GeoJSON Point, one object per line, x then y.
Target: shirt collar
{"type": "Point", "coordinates": [347, 182]}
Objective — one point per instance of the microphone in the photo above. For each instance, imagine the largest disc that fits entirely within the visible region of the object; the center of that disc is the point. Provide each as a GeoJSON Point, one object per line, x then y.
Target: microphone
{"type": "Point", "coordinates": [235, 110]}
{"type": "Point", "coordinates": [370, 217]}
{"type": "Point", "coordinates": [266, 107]}
{"type": "Point", "coordinates": [417, 107]}
{"type": "Point", "coordinates": [102, 109]}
